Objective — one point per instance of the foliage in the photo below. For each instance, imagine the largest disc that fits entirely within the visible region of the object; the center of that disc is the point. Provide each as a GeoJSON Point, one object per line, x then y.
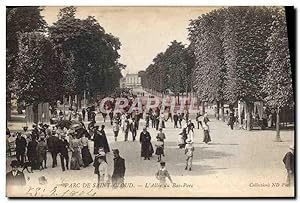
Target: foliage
{"type": "Point", "coordinates": [169, 70]}
{"type": "Point", "coordinates": [92, 53]}
{"type": "Point", "coordinates": [38, 76]}
{"type": "Point", "coordinates": [206, 35]}
{"type": "Point", "coordinates": [278, 82]}
{"type": "Point", "coordinates": [241, 53]}
{"type": "Point", "coordinates": [19, 20]}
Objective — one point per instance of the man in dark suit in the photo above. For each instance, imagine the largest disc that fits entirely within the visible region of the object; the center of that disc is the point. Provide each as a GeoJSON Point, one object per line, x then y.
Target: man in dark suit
{"type": "Point", "coordinates": [63, 147]}
{"type": "Point", "coordinates": [15, 177]}
{"type": "Point", "coordinates": [52, 143]}
{"type": "Point", "coordinates": [21, 145]}
{"type": "Point", "coordinates": [119, 169]}
{"type": "Point", "coordinates": [289, 162]}
{"type": "Point", "coordinates": [83, 114]}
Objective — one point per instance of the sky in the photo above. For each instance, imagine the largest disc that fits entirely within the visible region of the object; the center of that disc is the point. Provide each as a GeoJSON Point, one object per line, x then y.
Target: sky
{"type": "Point", "coordinates": [143, 31]}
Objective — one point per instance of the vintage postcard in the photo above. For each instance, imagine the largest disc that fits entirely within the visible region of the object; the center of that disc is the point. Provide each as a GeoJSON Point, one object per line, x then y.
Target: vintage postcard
{"type": "Point", "coordinates": [138, 102]}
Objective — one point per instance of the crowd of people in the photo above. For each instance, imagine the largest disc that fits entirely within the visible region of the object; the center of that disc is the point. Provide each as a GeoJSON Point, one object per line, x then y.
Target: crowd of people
{"type": "Point", "coordinates": [32, 146]}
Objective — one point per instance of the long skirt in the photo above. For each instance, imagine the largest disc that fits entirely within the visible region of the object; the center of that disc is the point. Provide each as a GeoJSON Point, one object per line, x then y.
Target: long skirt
{"type": "Point", "coordinates": [34, 162]}
{"type": "Point", "coordinates": [42, 156]}
{"type": "Point", "coordinates": [76, 160]}
{"type": "Point", "coordinates": [147, 149]}
{"type": "Point", "coordinates": [206, 136]}
{"type": "Point", "coordinates": [86, 156]}
{"type": "Point", "coordinates": [159, 151]}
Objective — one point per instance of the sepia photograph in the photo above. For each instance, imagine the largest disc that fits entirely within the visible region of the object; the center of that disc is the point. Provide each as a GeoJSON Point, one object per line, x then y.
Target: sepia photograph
{"type": "Point", "coordinates": [150, 102]}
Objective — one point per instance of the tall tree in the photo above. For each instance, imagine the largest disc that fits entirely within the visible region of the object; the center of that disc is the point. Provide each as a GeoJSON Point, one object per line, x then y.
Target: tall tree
{"type": "Point", "coordinates": [171, 69]}
{"type": "Point", "coordinates": [245, 32]}
{"type": "Point", "coordinates": [278, 82]}
{"type": "Point", "coordinates": [93, 52]}
{"type": "Point", "coordinates": [38, 76]}
{"type": "Point", "coordinates": [206, 35]}
{"type": "Point", "coordinates": [18, 20]}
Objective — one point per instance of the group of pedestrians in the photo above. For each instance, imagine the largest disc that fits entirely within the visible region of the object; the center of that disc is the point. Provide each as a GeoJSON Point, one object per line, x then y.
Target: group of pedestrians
{"type": "Point", "coordinates": [32, 148]}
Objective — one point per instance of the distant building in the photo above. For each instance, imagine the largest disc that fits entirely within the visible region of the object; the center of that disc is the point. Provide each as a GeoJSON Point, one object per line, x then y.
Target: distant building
{"type": "Point", "coordinates": [130, 81]}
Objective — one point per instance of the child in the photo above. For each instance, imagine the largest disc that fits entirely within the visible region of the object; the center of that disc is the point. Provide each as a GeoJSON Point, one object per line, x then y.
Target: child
{"type": "Point", "coordinates": [162, 174]}
{"type": "Point", "coordinates": [159, 148]}
{"type": "Point", "coordinates": [189, 152]}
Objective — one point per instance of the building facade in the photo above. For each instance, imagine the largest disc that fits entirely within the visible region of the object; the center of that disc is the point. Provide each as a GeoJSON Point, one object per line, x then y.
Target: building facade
{"type": "Point", "coordinates": [130, 81]}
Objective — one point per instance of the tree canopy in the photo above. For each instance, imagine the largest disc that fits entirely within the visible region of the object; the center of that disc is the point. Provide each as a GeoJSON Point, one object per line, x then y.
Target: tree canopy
{"type": "Point", "coordinates": [241, 53]}
{"type": "Point", "coordinates": [170, 70]}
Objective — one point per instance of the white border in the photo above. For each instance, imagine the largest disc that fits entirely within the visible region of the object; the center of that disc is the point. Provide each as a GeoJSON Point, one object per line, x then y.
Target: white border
{"type": "Point", "coordinates": [111, 3]}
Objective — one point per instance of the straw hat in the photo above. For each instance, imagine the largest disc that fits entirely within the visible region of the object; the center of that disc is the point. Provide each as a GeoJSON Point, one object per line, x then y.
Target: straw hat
{"type": "Point", "coordinates": [189, 141]}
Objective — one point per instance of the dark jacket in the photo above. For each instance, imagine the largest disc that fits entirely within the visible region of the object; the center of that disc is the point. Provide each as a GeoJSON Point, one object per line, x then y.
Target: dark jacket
{"type": "Point", "coordinates": [52, 143]}
{"type": "Point", "coordinates": [100, 140]}
{"type": "Point", "coordinates": [21, 144]}
{"type": "Point", "coordinates": [32, 149]}
{"type": "Point", "coordinates": [19, 179]}
{"type": "Point", "coordinates": [146, 146]}
{"type": "Point", "coordinates": [35, 134]}
{"type": "Point", "coordinates": [289, 162]}
{"type": "Point", "coordinates": [119, 168]}
{"type": "Point", "coordinates": [190, 127]}
{"type": "Point", "coordinates": [63, 146]}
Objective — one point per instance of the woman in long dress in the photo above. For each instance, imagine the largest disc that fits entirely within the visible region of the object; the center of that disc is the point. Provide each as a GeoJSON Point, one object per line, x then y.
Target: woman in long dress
{"type": "Point", "coordinates": [101, 166]}
{"type": "Point", "coordinates": [182, 138]}
{"type": "Point", "coordinates": [85, 152]}
{"type": "Point", "coordinates": [146, 146]}
{"type": "Point", "coordinates": [76, 160]}
{"type": "Point", "coordinates": [206, 138]}
{"type": "Point", "coordinates": [162, 120]}
{"type": "Point", "coordinates": [42, 152]}
{"type": "Point", "coordinates": [32, 154]}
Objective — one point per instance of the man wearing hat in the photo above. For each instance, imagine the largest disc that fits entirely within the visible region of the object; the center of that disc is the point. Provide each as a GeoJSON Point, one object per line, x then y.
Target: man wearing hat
{"type": "Point", "coordinates": [63, 146]}
{"type": "Point", "coordinates": [21, 145]}
{"type": "Point", "coordinates": [42, 152]}
{"type": "Point", "coordinates": [190, 126]}
{"type": "Point", "coordinates": [119, 169]}
{"type": "Point", "coordinates": [189, 153]}
{"type": "Point", "coordinates": [161, 135]}
{"type": "Point", "coordinates": [52, 144]}
{"type": "Point", "coordinates": [100, 139]}
{"type": "Point", "coordinates": [25, 132]}
{"type": "Point", "coordinates": [35, 132]}
{"type": "Point", "coordinates": [15, 177]}
{"type": "Point", "coordinates": [289, 162]}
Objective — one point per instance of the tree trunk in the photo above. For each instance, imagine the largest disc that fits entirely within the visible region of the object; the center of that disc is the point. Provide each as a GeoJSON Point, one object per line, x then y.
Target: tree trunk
{"type": "Point", "coordinates": [277, 139]}
{"type": "Point", "coordinates": [71, 101]}
{"type": "Point", "coordinates": [35, 113]}
{"type": "Point", "coordinates": [222, 111]}
{"type": "Point", "coordinates": [249, 116]}
{"type": "Point", "coordinates": [217, 111]}
{"type": "Point", "coordinates": [8, 105]}
{"type": "Point", "coordinates": [64, 111]}
{"type": "Point", "coordinates": [203, 107]}
{"type": "Point", "coordinates": [79, 101]}
{"type": "Point", "coordinates": [187, 90]}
